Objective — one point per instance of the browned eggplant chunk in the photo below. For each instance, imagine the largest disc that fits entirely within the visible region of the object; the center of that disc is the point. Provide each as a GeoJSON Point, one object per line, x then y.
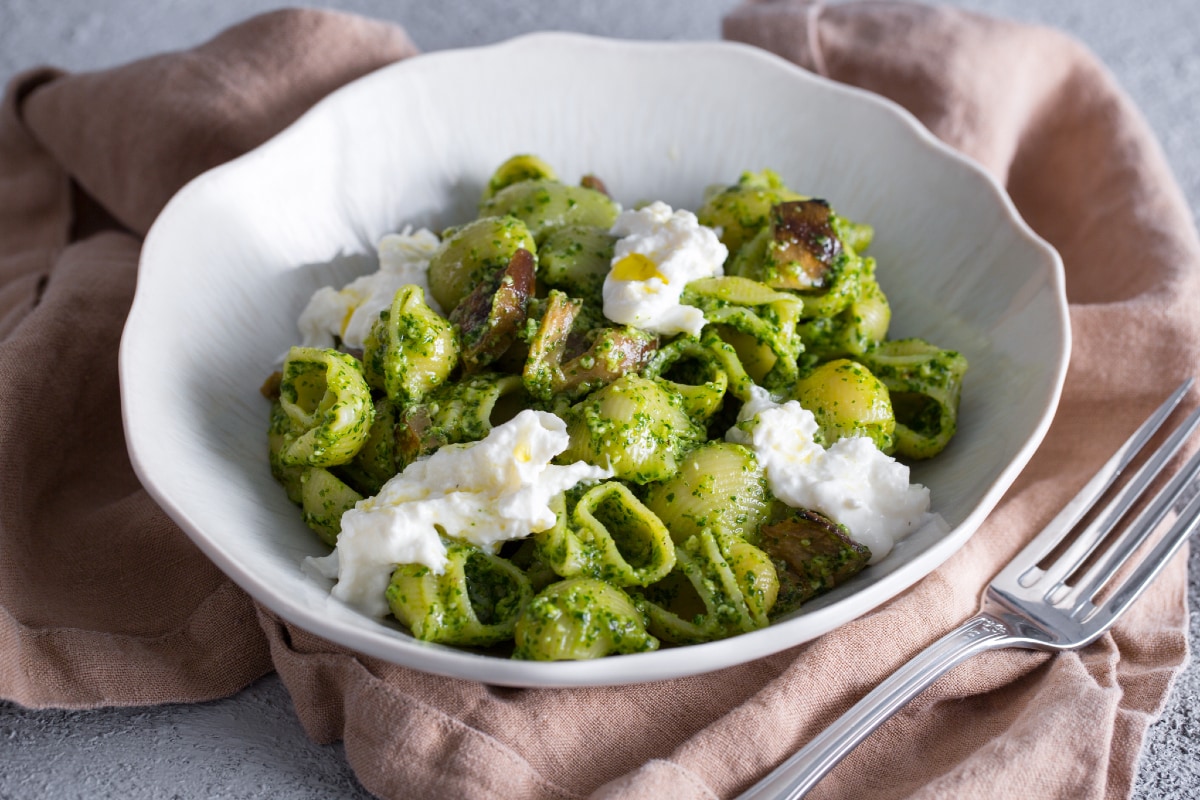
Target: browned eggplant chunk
{"type": "Point", "coordinates": [416, 436]}
{"type": "Point", "coordinates": [595, 184]}
{"type": "Point", "coordinates": [805, 248]}
{"type": "Point", "coordinates": [812, 554]}
{"type": "Point", "coordinates": [492, 314]}
{"type": "Point", "coordinates": [270, 387]}
{"type": "Point", "coordinates": [565, 363]}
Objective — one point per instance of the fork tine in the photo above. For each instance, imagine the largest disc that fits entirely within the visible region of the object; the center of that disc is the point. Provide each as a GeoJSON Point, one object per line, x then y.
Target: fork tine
{"type": "Point", "coordinates": [1023, 567]}
{"type": "Point", "coordinates": [1078, 599]}
{"type": "Point", "coordinates": [1184, 526]}
{"type": "Point", "coordinates": [1108, 519]}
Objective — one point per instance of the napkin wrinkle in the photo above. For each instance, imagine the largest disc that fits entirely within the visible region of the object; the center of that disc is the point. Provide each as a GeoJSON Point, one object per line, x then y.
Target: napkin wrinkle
{"type": "Point", "coordinates": [125, 610]}
{"type": "Point", "coordinates": [326, 681]}
{"type": "Point", "coordinates": [1013, 734]}
{"type": "Point", "coordinates": [201, 107]}
{"type": "Point", "coordinates": [33, 202]}
{"type": "Point", "coordinates": [1066, 163]}
{"type": "Point", "coordinates": [21, 293]}
{"type": "Point", "coordinates": [657, 778]}
{"type": "Point", "coordinates": [812, 22]}
{"type": "Point", "coordinates": [991, 77]}
{"type": "Point", "coordinates": [80, 668]}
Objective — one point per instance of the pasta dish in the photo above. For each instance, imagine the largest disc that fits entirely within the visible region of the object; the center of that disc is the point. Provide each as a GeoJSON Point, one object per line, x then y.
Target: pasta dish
{"type": "Point", "coordinates": [565, 429]}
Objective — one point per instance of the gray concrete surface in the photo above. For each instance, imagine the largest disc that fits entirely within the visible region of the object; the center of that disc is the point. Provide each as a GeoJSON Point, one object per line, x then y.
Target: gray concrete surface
{"type": "Point", "coordinates": [251, 745]}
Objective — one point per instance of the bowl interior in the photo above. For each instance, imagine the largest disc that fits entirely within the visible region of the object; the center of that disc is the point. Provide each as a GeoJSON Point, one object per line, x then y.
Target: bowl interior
{"type": "Point", "coordinates": [236, 254]}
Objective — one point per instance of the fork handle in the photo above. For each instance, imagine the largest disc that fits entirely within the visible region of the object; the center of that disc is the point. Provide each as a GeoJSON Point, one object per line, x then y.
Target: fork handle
{"type": "Point", "coordinates": [796, 776]}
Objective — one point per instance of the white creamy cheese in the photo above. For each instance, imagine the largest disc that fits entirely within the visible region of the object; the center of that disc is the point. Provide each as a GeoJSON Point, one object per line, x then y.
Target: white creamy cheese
{"type": "Point", "coordinates": [485, 492]}
{"type": "Point", "coordinates": [659, 252]}
{"type": "Point", "coordinates": [350, 312]}
{"type": "Point", "coordinates": [853, 482]}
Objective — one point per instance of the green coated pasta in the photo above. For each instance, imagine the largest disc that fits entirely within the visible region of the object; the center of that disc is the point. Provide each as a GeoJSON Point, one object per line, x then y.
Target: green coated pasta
{"type": "Point", "coordinates": [694, 371]}
{"type": "Point", "coordinates": [720, 587]}
{"type": "Point", "coordinates": [544, 205]}
{"type": "Point", "coordinates": [464, 411]}
{"type": "Point", "coordinates": [575, 259]}
{"type": "Point", "coordinates": [323, 499]}
{"type": "Point", "coordinates": [581, 618]}
{"type": "Point", "coordinates": [855, 235]}
{"type": "Point", "coordinates": [519, 168]}
{"type": "Point", "coordinates": [653, 484]}
{"type": "Point", "coordinates": [727, 356]}
{"type": "Point", "coordinates": [848, 400]}
{"type": "Point", "coordinates": [611, 536]}
{"type": "Point", "coordinates": [853, 331]}
{"type": "Point", "coordinates": [472, 253]}
{"type": "Point", "coordinates": [759, 322]}
{"type": "Point", "coordinates": [411, 348]}
{"type": "Point", "coordinates": [328, 407]}
{"type": "Point", "coordinates": [377, 460]}
{"type": "Point", "coordinates": [741, 210]}
{"type": "Point", "coordinates": [288, 476]}
{"type": "Point", "coordinates": [560, 547]}
{"type": "Point", "coordinates": [474, 602]}
{"type": "Point", "coordinates": [756, 577]}
{"type": "Point", "coordinates": [925, 383]}
{"type": "Point", "coordinates": [635, 426]}
{"type": "Point", "coordinates": [719, 485]}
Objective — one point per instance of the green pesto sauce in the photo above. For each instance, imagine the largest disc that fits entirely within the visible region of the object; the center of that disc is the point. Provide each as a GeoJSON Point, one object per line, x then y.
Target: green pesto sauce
{"type": "Point", "coordinates": [669, 549]}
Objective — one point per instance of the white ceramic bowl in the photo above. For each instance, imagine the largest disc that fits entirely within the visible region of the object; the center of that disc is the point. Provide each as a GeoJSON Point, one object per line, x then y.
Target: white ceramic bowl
{"type": "Point", "coordinates": [236, 254]}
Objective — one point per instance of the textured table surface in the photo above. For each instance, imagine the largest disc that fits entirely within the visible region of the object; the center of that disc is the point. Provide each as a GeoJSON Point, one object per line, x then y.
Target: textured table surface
{"type": "Point", "coordinates": [251, 745]}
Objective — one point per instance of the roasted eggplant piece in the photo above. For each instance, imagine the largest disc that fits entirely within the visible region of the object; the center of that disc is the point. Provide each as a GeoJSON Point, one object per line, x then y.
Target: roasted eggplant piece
{"type": "Point", "coordinates": [805, 248]}
{"type": "Point", "coordinates": [492, 314]}
{"type": "Point", "coordinates": [270, 387]}
{"type": "Point", "coordinates": [565, 364]}
{"type": "Point", "coordinates": [465, 411]}
{"type": "Point", "coordinates": [595, 184]}
{"type": "Point", "coordinates": [416, 436]}
{"type": "Point", "coordinates": [812, 554]}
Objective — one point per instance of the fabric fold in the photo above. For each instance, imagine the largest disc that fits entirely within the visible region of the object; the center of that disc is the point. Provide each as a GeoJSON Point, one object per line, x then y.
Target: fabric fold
{"type": "Point", "coordinates": [199, 108]}
{"type": "Point", "coordinates": [104, 601]}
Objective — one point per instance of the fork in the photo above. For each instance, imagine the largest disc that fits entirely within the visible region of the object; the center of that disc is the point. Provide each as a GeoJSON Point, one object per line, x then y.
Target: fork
{"type": "Point", "coordinates": [1031, 606]}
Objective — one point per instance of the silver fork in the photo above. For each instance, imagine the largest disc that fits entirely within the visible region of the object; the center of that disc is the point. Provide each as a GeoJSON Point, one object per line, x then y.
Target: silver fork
{"type": "Point", "coordinates": [1031, 607]}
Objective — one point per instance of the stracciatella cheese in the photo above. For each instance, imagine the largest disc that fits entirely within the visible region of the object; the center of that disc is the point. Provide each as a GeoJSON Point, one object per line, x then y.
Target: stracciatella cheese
{"type": "Point", "coordinates": [349, 312]}
{"type": "Point", "coordinates": [853, 482]}
{"type": "Point", "coordinates": [484, 492]}
{"type": "Point", "coordinates": [658, 253]}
